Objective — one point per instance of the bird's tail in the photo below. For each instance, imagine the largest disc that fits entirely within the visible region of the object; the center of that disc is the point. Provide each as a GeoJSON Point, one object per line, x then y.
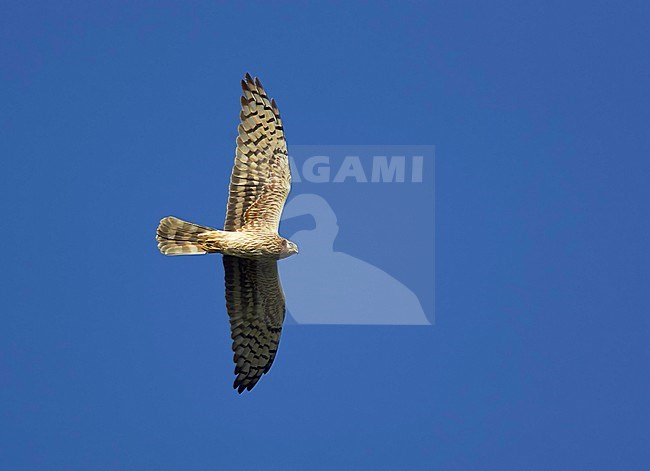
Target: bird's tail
{"type": "Point", "coordinates": [177, 237]}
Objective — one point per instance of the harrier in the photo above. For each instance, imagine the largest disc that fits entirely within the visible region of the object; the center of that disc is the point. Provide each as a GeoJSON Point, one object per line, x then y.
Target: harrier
{"type": "Point", "coordinates": [250, 244]}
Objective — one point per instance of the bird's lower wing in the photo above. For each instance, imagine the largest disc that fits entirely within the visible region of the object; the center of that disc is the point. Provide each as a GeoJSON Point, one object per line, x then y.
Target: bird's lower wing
{"type": "Point", "coordinates": [256, 307]}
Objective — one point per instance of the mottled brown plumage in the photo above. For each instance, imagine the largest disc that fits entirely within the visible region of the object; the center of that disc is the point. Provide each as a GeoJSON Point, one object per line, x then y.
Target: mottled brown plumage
{"type": "Point", "coordinates": [259, 186]}
{"type": "Point", "coordinates": [178, 237]}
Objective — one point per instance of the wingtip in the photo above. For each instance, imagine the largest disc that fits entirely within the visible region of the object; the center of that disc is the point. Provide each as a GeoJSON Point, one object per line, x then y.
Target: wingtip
{"type": "Point", "coordinates": [247, 82]}
{"type": "Point", "coordinates": [241, 384]}
{"type": "Point", "coordinates": [250, 81]}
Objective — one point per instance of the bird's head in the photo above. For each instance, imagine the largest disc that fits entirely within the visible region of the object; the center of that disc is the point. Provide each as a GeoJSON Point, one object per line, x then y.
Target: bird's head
{"type": "Point", "coordinates": [288, 249]}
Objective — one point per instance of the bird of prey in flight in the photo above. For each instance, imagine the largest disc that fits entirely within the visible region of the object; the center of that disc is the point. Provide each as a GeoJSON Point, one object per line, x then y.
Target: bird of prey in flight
{"type": "Point", "coordinates": [250, 243]}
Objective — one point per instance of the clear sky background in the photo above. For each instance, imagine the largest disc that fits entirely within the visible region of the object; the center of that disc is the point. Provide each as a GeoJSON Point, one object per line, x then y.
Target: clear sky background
{"type": "Point", "coordinates": [115, 357]}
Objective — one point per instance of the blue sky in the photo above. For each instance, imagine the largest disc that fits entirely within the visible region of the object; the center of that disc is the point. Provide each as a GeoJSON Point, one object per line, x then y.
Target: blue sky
{"type": "Point", "coordinates": [115, 357]}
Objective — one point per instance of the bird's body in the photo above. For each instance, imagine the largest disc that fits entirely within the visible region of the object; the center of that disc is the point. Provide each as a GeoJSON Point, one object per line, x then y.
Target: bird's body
{"type": "Point", "coordinates": [178, 237]}
{"type": "Point", "coordinates": [265, 246]}
{"type": "Point", "coordinates": [250, 243]}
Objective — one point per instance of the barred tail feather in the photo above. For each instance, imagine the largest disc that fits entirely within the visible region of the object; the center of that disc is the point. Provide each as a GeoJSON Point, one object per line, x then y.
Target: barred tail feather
{"type": "Point", "coordinates": [178, 237]}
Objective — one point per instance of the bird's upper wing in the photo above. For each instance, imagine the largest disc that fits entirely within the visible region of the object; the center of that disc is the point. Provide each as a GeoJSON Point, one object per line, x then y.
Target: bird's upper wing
{"type": "Point", "coordinates": [261, 179]}
{"type": "Point", "coordinates": [256, 308]}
